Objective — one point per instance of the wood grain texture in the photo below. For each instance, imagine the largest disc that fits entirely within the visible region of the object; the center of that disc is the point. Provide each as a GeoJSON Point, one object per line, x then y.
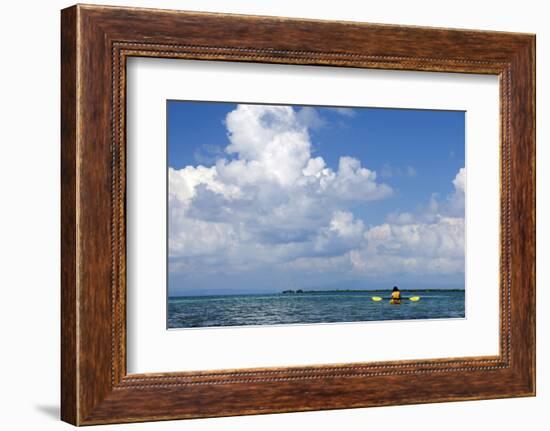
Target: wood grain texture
{"type": "Point", "coordinates": [96, 41]}
{"type": "Point", "coordinates": [69, 366]}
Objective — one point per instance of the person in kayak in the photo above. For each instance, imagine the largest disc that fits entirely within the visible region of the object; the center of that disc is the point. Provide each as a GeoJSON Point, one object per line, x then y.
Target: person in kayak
{"type": "Point", "coordinates": [395, 296]}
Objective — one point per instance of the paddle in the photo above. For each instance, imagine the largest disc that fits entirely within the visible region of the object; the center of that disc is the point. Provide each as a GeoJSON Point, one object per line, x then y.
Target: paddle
{"type": "Point", "coordinates": [412, 298]}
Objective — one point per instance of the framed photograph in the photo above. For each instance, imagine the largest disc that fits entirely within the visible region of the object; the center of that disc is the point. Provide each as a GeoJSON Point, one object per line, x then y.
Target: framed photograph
{"type": "Point", "coordinates": [265, 215]}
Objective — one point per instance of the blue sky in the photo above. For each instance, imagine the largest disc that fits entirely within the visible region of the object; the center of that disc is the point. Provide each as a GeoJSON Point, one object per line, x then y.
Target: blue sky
{"type": "Point", "coordinates": [371, 196]}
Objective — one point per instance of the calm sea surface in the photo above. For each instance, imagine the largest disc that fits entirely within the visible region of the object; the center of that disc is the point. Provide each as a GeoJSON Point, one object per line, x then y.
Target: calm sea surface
{"type": "Point", "coordinates": [318, 307]}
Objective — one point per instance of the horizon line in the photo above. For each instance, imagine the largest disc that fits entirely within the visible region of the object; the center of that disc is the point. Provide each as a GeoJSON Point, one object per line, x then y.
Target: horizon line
{"type": "Point", "coordinates": [295, 291]}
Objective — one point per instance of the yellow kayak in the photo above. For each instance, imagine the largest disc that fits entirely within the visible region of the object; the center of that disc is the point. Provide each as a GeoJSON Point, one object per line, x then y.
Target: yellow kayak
{"type": "Point", "coordinates": [395, 301]}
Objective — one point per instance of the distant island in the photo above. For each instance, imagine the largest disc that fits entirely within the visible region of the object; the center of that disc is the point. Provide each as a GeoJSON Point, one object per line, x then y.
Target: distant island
{"type": "Point", "coordinates": [298, 291]}
{"type": "Point", "coordinates": [307, 292]}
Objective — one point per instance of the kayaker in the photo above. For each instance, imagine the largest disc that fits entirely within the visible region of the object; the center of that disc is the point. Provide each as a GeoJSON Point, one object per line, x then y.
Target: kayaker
{"type": "Point", "coordinates": [395, 296]}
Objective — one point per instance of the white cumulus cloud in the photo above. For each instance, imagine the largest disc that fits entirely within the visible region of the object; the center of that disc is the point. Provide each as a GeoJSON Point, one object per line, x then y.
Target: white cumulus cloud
{"type": "Point", "coordinates": [268, 200]}
{"type": "Point", "coordinates": [431, 241]}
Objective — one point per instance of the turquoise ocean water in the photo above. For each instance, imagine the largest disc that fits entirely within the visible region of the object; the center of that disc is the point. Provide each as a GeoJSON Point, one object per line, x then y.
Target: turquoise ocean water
{"type": "Point", "coordinates": [311, 307]}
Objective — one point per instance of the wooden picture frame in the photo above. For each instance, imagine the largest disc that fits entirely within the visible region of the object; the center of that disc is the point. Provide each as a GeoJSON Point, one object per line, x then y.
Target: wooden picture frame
{"type": "Point", "coordinates": [95, 43]}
